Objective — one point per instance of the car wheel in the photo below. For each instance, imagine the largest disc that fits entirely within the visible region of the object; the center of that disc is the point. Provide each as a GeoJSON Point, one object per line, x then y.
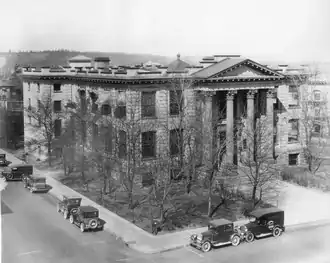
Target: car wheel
{"type": "Point", "coordinates": [82, 227]}
{"type": "Point", "coordinates": [71, 219]}
{"type": "Point", "coordinates": [235, 240]}
{"type": "Point", "coordinates": [10, 176]}
{"type": "Point", "coordinates": [277, 232]}
{"type": "Point", "coordinates": [206, 247]}
{"type": "Point", "coordinates": [249, 237]}
{"type": "Point", "coordinates": [93, 224]}
{"type": "Point", "coordinates": [65, 214]}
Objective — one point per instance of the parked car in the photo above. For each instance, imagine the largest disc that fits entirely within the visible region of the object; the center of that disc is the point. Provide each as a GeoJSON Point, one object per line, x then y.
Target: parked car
{"type": "Point", "coordinates": [220, 232]}
{"type": "Point", "coordinates": [87, 217]}
{"type": "Point", "coordinates": [68, 206]}
{"type": "Point", "coordinates": [264, 222]}
{"type": "Point", "coordinates": [3, 161]}
{"type": "Point", "coordinates": [35, 184]}
{"type": "Point", "coordinates": [16, 172]}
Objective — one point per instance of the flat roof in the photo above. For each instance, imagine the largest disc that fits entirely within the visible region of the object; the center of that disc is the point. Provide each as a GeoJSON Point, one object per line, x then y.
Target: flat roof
{"type": "Point", "coordinates": [263, 211]}
{"type": "Point", "coordinates": [88, 208]}
{"type": "Point", "coordinates": [220, 221]}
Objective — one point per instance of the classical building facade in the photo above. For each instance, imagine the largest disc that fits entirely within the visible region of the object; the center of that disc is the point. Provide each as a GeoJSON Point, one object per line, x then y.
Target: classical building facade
{"type": "Point", "coordinates": [221, 92]}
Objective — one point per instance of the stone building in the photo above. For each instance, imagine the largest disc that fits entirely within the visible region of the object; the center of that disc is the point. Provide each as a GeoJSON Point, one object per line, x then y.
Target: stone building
{"type": "Point", "coordinates": [222, 89]}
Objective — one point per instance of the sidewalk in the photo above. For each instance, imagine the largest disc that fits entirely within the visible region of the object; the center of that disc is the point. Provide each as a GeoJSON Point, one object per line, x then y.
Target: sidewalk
{"type": "Point", "coordinates": [300, 205]}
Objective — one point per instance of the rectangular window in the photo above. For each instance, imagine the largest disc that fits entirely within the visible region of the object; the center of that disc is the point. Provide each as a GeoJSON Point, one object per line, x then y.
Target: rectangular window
{"type": "Point", "coordinates": [148, 104]}
{"type": "Point", "coordinates": [57, 128]}
{"type": "Point", "coordinates": [57, 106]}
{"type": "Point", "coordinates": [293, 159]}
{"type": "Point", "coordinates": [108, 139]}
{"type": "Point", "coordinates": [122, 144]}
{"type": "Point", "coordinates": [293, 135]}
{"type": "Point", "coordinates": [176, 141]}
{"type": "Point", "coordinates": [149, 144]}
{"type": "Point", "coordinates": [95, 130]}
{"type": "Point", "coordinates": [317, 95]}
{"type": "Point", "coordinates": [176, 102]}
{"type": "Point", "coordinates": [147, 179]}
{"type": "Point", "coordinates": [105, 109]}
{"type": "Point", "coordinates": [57, 87]}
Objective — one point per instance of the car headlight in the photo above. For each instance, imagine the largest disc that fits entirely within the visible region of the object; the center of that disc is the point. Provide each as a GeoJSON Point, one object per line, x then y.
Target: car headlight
{"type": "Point", "coordinates": [193, 237]}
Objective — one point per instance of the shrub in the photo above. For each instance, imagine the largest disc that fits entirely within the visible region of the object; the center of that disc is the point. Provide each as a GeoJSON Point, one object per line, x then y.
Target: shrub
{"type": "Point", "coordinates": [302, 180]}
{"type": "Point", "coordinates": [287, 175]}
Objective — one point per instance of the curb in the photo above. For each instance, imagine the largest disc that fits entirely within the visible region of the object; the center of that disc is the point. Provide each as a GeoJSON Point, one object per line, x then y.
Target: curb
{"type": "Point", "coordinates": [157, 251]}
{"type": "Point", "coordinates": [306, 225]}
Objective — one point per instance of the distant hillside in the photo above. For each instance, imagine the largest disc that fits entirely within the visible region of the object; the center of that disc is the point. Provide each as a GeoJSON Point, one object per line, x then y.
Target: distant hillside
{"type": "Point", "coordinates": [49, 58]}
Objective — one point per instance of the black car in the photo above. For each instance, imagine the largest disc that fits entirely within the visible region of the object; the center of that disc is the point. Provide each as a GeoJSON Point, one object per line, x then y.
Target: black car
{"type": "Point", "coordinates": [3, 161]}
{"type": "Point", "coordinates": [17, 172]}
{"type": "Point", "coordinates": [220, 232]}
{"type": "Point", "coordinates": [87, 218]}
{"type": "Point", "coordinates": [264, 222]}
{"type": "Point", "coordinates": [68, 205]}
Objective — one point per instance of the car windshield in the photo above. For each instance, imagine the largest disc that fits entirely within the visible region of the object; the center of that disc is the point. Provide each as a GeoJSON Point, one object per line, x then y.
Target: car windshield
{"type": "Point", "coordinates": [211, 227]}
{"type": "Point", "coordinates": [74, 201]}
{"type": "Point", "coordinates": [91, 214]}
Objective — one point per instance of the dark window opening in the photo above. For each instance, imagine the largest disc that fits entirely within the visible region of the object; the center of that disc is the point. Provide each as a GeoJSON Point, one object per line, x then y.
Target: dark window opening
{"type": "Point", "coordinates": [244, 144]}
{"type": "Point", "coordinates": [93, 96]}
{"type": "Point", "coordinates": [122, 144]}
{"type": "Point", "coordinates": [57, 128]}
{"type": "Point", "coordinates": [120, 112]}
{"type": "Point", "coordinates": [293, 159]}
{"type": "Point", "coordinates": [148, 104]}
{"type": "Point", "coordinates": [176, 141]}
{"type": "Point", "coordinates": [57, 106]}
{"type": "Point", "coordinates": [317, 128]}
{"type": "Point", "coordinates": [105, 109]}
{"type": "Point", "coordinates": [57, 87]}
{"type": "Point", "coordinates": [95, 130]}
{"type": "Point", "coordinates": [95, 108]}
{"type": "Point", "coordinates": [149, 144]}
{"type": "Point", "coordinates": [147, 179]}
{"type": "Point", "coordinates": [82, 93]}
{"type": "Point", "coordinates": [108, 139]}
{"type": "Point", "coordinates": [176, 102]}
{"type": "Point", "coordinates": [293, 135]}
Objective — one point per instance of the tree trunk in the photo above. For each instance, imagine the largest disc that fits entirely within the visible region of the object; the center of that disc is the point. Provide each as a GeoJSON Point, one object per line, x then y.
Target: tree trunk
{"type": "Point", "coordinates": [49, 155]}
{"type": "Point", "coordinates": [254, 193]}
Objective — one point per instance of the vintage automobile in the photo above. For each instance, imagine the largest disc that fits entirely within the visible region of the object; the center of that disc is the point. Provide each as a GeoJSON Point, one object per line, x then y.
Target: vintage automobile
{"type": "Point", "coordinates": [35, 184]}
{"type": "Point", "coordinates": [264, 222]}
{"type": "Point", "coordinates": [16, 172]}
{"type": "Point", "coordinates": [87, 217]}
{"type": "Point", "coordinates": [68, 206]}
{"type": "Point", "coordinates": [220, 232]}
{"type": "Point", "coordinates": [3, 160]}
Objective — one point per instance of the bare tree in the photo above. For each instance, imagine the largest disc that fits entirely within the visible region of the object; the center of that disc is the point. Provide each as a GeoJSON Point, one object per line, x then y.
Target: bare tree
{"type": "Point", "coordinates": [255, 164]}
{"type": "Point", "coordinates": [313, 114]}
{"type": "Point", "coordinates": [43, 125]}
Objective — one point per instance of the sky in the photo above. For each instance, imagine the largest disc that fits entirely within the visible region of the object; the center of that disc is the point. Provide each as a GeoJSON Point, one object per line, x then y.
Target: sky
{"type": "Point", "coordinates": [292, 30]}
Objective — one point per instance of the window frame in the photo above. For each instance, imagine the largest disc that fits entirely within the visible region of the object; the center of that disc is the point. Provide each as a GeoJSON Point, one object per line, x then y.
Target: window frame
{"type": "Point", "coordinates": [148, 105]}
{"type": "Point", "coordinates": [295, 161]}
{"type": "Point", "coordinates": [291, 135]}
{"type": "Point", "coordinates": [151, 137]}
{"type": "Point", "coordinates": [57, 87]}
{"type": "Point", "coordinates": [176, 102]}
{"type": "Point", "coordinates": [58, 103]}
{"type": "Point", "coordinates": [178, 147]}
{"type": "Point", "coordinates": [56, 135]}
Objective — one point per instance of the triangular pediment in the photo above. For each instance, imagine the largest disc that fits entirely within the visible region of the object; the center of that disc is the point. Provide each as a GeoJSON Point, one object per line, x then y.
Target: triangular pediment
{"type": "Point", "coordinates": [245, 69]}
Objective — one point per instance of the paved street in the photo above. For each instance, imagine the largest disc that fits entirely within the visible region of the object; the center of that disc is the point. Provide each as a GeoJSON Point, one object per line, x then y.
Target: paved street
{"type": "Point", "coordinates": [33, 232]}
{"type": "Point", "coordinates": [309, 245]}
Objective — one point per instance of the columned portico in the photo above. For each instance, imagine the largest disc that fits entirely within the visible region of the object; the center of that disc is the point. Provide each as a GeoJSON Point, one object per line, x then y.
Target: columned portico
{"type": "Point", "coordinates": [270, 118]}
{"type": "Point", "coordinates": [230, 127]}
{"type": "Point", "coordinates": [250, 120]}
{"type": "Point", "coordinates": [207, 127]}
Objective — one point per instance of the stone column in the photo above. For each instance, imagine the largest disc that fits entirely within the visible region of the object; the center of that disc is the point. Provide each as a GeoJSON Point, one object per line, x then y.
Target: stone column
{"type": "Point", "coordinates": [207, 128]}
{"type": "Point", "coordinates": [230, 127]}
{"type": "Point", "coordinates": [270, 120]}
{"type": "Point", "coordinates": [250, 121]}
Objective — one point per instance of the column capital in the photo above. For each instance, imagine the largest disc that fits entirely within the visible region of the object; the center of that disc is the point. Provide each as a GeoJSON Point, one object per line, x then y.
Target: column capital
{"type": "Point", "coordinates": [270, 94]}
{"type": "Point", "coordinates": [231, 94]}
{"type": "Point", "coordinates": [208, 93]}
{"type": "Point", "coordinates": [251, 93]}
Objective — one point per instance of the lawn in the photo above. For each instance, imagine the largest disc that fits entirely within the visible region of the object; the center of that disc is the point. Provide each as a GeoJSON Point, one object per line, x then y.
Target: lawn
{"type": "Point", "coordinates": [190, 209]}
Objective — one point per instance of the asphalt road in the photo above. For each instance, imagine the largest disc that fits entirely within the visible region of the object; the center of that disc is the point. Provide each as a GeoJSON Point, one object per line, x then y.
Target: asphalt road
{"type": "Point", "coordinates": [33, 232]}
{"type": "Point", "coordinates": [309, 245]}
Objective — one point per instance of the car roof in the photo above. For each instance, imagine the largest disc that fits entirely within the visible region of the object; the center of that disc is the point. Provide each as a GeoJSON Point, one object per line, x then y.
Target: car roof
{"type": "Point", "coordinates": [264, 211]}
{"type": "Point", "coordinates": [21, 165]}
{"type": "Point", "coordinates": [88, 208]}
{"type": "Point", "coordinates": [220, 222]}
{"type": "Point", "coordinates": [71, 197]}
